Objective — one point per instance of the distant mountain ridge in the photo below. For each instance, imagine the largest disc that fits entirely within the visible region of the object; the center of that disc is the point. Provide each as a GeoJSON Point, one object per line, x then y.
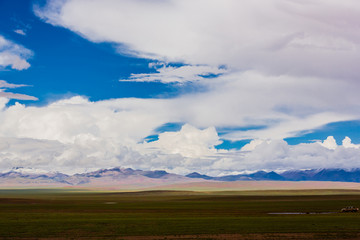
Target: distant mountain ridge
{"type": "Point", "coordinates": [127, 178]}
{"type": "Point", "coordinates": [335, 175]}
{"type": "Point", "coordinates": [120, 177]}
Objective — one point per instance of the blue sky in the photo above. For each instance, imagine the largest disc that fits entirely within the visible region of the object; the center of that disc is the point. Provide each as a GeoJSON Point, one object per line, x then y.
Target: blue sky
{"type": "Point", "coordinates": [56, 70]}
{"type": "Point", "coordinates": [153, 74]}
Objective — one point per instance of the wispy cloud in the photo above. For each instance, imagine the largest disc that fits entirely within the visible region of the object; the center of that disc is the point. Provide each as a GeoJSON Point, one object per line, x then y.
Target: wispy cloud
{"type": "Point", "coordinates": [20, 32]}
{"type": "Point", "coordinates": [17, 96]}
{"type": "Point", "coordinates": [180, 74]}
{"type": "Point", "coordinates": [13, 55]}
{"type": "Point", "coordinates": [275, 37]}
{"type": "Point", "coordinates": [5, 85]}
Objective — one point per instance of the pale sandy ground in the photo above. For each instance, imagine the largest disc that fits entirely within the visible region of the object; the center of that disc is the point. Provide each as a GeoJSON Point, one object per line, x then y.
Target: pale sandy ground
{"type": "Point", "coordinates": [200, 185]}
{"type": "Point", "coordinates": [260, 185]}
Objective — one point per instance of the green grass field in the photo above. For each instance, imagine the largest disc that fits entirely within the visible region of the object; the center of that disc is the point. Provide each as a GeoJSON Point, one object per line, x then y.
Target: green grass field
{"type": "Point", "coordinates": [110, 215]}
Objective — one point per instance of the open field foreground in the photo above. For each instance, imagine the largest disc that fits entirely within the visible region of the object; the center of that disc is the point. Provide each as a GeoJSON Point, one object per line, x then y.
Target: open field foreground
{"type": "Point", "coordinates": [81, 214]}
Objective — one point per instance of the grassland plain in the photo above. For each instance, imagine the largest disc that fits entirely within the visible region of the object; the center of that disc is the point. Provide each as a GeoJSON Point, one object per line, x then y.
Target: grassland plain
{"type": "Point", "coordinates": [81, 214]}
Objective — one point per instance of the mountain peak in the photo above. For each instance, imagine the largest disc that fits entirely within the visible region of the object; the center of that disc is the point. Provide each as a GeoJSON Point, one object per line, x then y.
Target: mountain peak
{"type": "Point", "coordinates": [198, 175]}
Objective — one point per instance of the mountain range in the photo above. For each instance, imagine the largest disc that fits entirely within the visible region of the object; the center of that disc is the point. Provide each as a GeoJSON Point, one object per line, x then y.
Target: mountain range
{"type": "Point", "coordinates": [127, 178]}
{"type": "Point", "coordinates": [335, 175]}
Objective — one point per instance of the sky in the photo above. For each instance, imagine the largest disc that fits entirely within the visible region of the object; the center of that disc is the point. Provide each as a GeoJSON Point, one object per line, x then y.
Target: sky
{"type": "Point", "coordinates": [216, 87]}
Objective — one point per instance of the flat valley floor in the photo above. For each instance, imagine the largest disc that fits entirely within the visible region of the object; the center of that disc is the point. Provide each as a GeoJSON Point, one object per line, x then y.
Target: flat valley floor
{"type": "Point", "coordinates": [162, 214]}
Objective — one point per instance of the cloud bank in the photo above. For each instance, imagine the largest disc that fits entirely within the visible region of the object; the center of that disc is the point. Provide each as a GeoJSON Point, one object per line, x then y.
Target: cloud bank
{"type": "Point", "coordinates": [76, 135]}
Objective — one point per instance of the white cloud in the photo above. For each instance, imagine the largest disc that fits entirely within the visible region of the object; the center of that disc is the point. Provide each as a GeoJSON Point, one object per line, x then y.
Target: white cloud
{"type": "Point", "coordinates": [285, 105]}
{"type": "Point", "coordinates": [17, 96]}
{"type": "Point", "coordinates": [279, 156]}
{"type": "Point", "coordinates": [127, 120]}
{"type": "Point", "coordinates": [188, 142]}
{"type": "Point", "coordinates": [329, 143]}
{"type": "Point", "coordinates": [287, 64]}
{"type": "Point", "coordinates": [168, 74]}
{"type": "Point", "coordinates": [286, 60]}
{"type": "Point", "coordinates": [85, 135]}
{"type": "Point", "coordinates": [9, 95]}
{"type": "Point", "coordinates": [15, 61]}
{"type": "Point", "coordinates": [56, 156]}
{"type": "Point", "coordinates": [76, 135]}
{"type": "Point", "coordinates": [245, 99]}
{"type": "Point", "coordinates": [20, 31]}
{"type": "Point", "coordinates": [13, 55]}
{"type": "Point", "coordinates": [4, 84]}
{"type": "Point", "coordinates": [346, 142]}
{"type": "Point", "coordinates": [276, 36]}
{"type": "Point", "coordinates": [87, 153]}
{"type": "Point", "coordinates": [253, 144]}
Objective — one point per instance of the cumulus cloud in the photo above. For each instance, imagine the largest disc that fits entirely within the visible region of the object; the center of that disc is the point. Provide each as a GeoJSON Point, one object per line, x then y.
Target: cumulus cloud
{"type": "Point", "coordinates": [330, 143]}
{"type": "Point", "coordinates": [278, 155]}
{"type": "Point", "coordinates": [188, 142]}
{"type": "Point", "coordinates": [128, 120]}
{"type": "Point", "coordinates": [252, 145]}
{"type": "Point", "coordinates": [13, 55]}
{"type": "Point", "coordinates": [346, 142]}
{"type": "Point", "coordinates": [88, 153]}
{"type": "Point", "coordinates": [76, 135]}
{"type": "Point", "coordinates": [80, 156]}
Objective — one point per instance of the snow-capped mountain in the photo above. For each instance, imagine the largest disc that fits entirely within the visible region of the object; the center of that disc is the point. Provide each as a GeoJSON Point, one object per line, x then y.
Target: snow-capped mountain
{"type": "Point", "coordinates": [114, 177]}
{"type": "Point", "coordinates": [335, 175]}
{"type": "Point", "coordinates": [127, 178]}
